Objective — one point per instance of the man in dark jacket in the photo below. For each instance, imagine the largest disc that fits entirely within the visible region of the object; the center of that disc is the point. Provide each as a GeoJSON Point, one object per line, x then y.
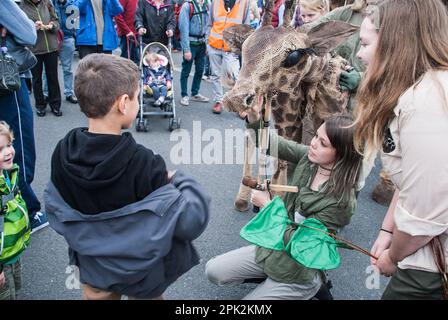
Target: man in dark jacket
{"type": "Point", "coordinates": [128, 223]}
{"type": "Point", "coordinates": [155, 20]}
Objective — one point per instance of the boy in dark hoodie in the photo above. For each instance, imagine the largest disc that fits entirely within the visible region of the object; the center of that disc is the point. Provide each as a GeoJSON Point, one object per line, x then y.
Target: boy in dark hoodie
{"type": "Point", "coordinates": [129, 224]}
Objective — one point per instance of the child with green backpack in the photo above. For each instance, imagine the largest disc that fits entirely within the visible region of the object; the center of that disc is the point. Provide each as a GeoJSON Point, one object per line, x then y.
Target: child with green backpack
{"type": "Point", "coordinates": [14, 222]}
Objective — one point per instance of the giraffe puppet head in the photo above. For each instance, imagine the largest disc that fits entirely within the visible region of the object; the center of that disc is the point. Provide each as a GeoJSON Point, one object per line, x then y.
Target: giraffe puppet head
{"type": "Point", "coordinates": [286, 63]}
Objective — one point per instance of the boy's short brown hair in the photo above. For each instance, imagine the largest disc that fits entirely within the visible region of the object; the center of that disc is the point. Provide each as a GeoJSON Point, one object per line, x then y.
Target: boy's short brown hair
{"type": "Point", "coordinates": [100, 79]}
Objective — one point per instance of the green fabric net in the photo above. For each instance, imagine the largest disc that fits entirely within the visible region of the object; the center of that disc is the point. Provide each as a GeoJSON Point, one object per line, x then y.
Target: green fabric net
{"type": "Point", "coordinates": [309, 246]}
{"type": "Point", "coordinates": [266, 229]}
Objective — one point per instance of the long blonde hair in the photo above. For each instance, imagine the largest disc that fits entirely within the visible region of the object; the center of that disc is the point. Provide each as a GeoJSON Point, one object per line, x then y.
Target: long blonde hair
{"type": "Point", "coordinates": [413, 39]}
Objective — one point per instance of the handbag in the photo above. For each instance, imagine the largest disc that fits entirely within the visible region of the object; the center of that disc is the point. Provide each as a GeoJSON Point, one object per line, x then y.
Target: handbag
{"type": "Point", "coordinates": [9, 71]}
{"type": "Point", "coordinates": [25, 59]}
{"type": "Point", "coordinates": [439, 257]}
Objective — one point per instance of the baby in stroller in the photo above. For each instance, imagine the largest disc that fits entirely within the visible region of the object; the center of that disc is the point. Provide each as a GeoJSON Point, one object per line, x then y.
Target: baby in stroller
{"type": "Point", "coordinates": [157, 77]}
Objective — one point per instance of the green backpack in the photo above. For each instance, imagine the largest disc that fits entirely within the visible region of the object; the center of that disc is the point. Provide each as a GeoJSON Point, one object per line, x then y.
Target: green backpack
{"type": "Point", "coordinates": [14, 222]}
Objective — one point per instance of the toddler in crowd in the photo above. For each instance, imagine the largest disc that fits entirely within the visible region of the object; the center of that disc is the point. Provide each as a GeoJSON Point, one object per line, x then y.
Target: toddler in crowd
{"type": "Point", "coordinates": [14, 223]}
{"type": "Point", "coordinates": [157, 76]}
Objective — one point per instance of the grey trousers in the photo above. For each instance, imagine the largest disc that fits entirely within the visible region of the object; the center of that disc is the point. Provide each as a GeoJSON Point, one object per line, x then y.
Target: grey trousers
{"type": "Point", "coordinates": [221, 63]}
{"type": "Point", "coordinates": [233, 267]}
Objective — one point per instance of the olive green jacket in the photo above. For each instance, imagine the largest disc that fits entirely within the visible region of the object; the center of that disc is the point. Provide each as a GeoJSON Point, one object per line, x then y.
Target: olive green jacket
{"type": "Point", "coordinates": [47, 40]}
{"type": "Point", "coordinates": [334, 214]}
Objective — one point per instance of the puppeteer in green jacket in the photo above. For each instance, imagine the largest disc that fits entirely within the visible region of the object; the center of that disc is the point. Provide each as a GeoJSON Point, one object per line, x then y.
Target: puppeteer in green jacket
{"type": "Point", "coordinates": [333, 213]}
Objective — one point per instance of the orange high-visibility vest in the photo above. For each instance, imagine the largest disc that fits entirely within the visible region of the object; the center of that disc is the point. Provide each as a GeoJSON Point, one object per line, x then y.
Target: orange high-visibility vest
{"type": "Point", "coordinates": [223, 20]}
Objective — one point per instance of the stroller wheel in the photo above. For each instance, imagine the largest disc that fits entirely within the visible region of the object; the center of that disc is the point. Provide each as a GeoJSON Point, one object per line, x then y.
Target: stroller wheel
{"type": "Point", "coordinates": [174, 123]}
{"type": "Point", "coordinates": [142, 125]}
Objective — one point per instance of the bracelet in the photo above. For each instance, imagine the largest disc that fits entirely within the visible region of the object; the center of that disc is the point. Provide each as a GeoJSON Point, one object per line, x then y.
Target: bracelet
{"type": "Point", "coordinates": [386, 231]}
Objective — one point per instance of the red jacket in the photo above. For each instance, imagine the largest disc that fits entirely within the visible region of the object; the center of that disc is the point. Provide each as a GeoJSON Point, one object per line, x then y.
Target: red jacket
{"type": "Point", "coordinates": [275, 18]}
{"type": "Point", "coordinates": [125, 21]}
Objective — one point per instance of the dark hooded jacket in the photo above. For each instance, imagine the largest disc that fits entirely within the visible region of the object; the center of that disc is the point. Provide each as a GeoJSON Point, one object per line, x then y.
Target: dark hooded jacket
{"type": "Point", "coordinates": [103, 172]}
{"type": "Point", "coordinates": [155, 20]}
{"type": "Point", "coordinates": [121, 239]}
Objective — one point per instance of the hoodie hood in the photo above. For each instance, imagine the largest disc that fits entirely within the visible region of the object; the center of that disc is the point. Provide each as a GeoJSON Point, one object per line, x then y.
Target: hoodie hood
{"type": "Point", "coordinates": [95, 160]}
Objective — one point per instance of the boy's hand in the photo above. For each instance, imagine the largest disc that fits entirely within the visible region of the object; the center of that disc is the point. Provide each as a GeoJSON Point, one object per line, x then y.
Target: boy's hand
{"type": "Point", "coordinates": [2, 279]}
{"type": "Point", "coordinates": [170, 175]}
{"type": "Point", "coordinates": [168, 85]}
{"type": "Point", "coordinates": [142, 31]}
{"type": "Point", "coordinates": [169, 33]}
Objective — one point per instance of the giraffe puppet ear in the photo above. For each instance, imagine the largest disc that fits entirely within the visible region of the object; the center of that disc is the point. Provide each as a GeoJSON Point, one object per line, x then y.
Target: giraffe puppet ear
{"type": "Point", "coordinates": [327, 36]}
{"type": "Point", "coordinates": [234, 36]}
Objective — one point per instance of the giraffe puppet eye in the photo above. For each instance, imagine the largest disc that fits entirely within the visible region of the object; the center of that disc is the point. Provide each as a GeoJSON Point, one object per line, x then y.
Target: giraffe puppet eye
{"type": "Point", "coordinates": [294, 56]}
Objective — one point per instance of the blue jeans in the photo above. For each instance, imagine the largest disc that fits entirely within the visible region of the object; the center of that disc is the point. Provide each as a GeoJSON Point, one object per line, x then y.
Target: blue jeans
{"type": "Point", "coordinates": [66, 56]}
{"type": "Point", "coordinates": [198, 56]}
{"type": "Point", "coordinates": [207, 71]}
{"type": "Point", "coordinates": [158, 91]}
{"type": "Point", "coordinates": [16, 110]}
{"type": "Point", "coordinates": [133, 49]}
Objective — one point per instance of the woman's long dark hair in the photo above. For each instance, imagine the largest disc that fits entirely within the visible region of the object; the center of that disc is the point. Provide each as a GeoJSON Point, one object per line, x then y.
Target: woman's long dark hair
{"type": "Point", "coordinates": [345, 173]}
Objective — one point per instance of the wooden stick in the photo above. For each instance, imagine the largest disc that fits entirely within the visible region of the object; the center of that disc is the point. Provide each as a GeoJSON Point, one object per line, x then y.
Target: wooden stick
{"type": "Point", "coordinates": [252, 183]}
{"type": "Point", "coordinates": [348, 243]}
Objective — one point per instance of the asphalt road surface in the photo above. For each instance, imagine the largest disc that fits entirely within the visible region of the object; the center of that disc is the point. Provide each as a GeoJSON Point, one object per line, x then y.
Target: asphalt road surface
{"type": "Point", "coordinates": [45, 264]}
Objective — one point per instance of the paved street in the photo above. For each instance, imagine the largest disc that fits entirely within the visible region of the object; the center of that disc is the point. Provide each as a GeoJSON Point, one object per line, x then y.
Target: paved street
{"type": "Point", "coordinates": [45, 262]}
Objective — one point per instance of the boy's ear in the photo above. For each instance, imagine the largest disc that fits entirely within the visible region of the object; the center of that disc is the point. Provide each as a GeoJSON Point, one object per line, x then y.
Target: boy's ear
{"type": "Point", "coordinates": [121, 103]}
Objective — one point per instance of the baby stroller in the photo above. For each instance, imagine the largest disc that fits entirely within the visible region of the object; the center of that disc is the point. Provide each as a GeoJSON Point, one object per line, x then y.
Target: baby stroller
{"type": "Point", "coordinates": [146, 100]}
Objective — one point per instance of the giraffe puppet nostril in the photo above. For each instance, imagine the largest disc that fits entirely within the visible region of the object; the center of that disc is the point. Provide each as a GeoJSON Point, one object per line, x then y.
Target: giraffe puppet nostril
{"type": "Point", "coordinates": [249, 99]}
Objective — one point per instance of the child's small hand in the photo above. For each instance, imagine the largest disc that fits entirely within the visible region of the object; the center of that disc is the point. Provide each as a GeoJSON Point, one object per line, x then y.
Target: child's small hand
{"type": "Point", "coordinates": [168, 85]}
{"type": "Point", "coordinates": [2, 279]}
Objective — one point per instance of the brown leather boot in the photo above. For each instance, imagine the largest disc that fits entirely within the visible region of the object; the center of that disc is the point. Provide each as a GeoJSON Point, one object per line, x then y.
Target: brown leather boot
{"type": "Point", "coordinates": [384, 191]}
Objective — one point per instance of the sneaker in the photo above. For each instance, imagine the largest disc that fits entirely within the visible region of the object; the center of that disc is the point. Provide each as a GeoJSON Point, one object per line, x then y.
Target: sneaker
{"type": "Point", "coordinates": [159, 102]}
{"type": "Point", "coordinates": [200, 98]}
{"type": "Point", "coordinates": [38, 221]}
{"type": "Point", "coordinates": [184, 101]}
{"type": "Point", "coordinates": [72, 99]}
{"type": "Point", "coordinates": [217, 108]}
{"type": "Point", "coordinates": [205, 77]}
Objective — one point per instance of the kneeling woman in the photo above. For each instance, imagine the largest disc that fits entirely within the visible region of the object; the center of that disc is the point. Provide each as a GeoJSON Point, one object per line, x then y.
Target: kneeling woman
{"type": "Point", "coordinates": [326, 174]}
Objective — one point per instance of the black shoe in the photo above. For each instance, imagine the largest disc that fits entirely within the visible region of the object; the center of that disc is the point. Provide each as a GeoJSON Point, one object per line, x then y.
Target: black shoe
{"type": "Point", "coordinates": [72, 99]}
{"type": "Point", "coordinates": [40, 112]}
{"type": "Point", "coordinates": [57, 113]}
